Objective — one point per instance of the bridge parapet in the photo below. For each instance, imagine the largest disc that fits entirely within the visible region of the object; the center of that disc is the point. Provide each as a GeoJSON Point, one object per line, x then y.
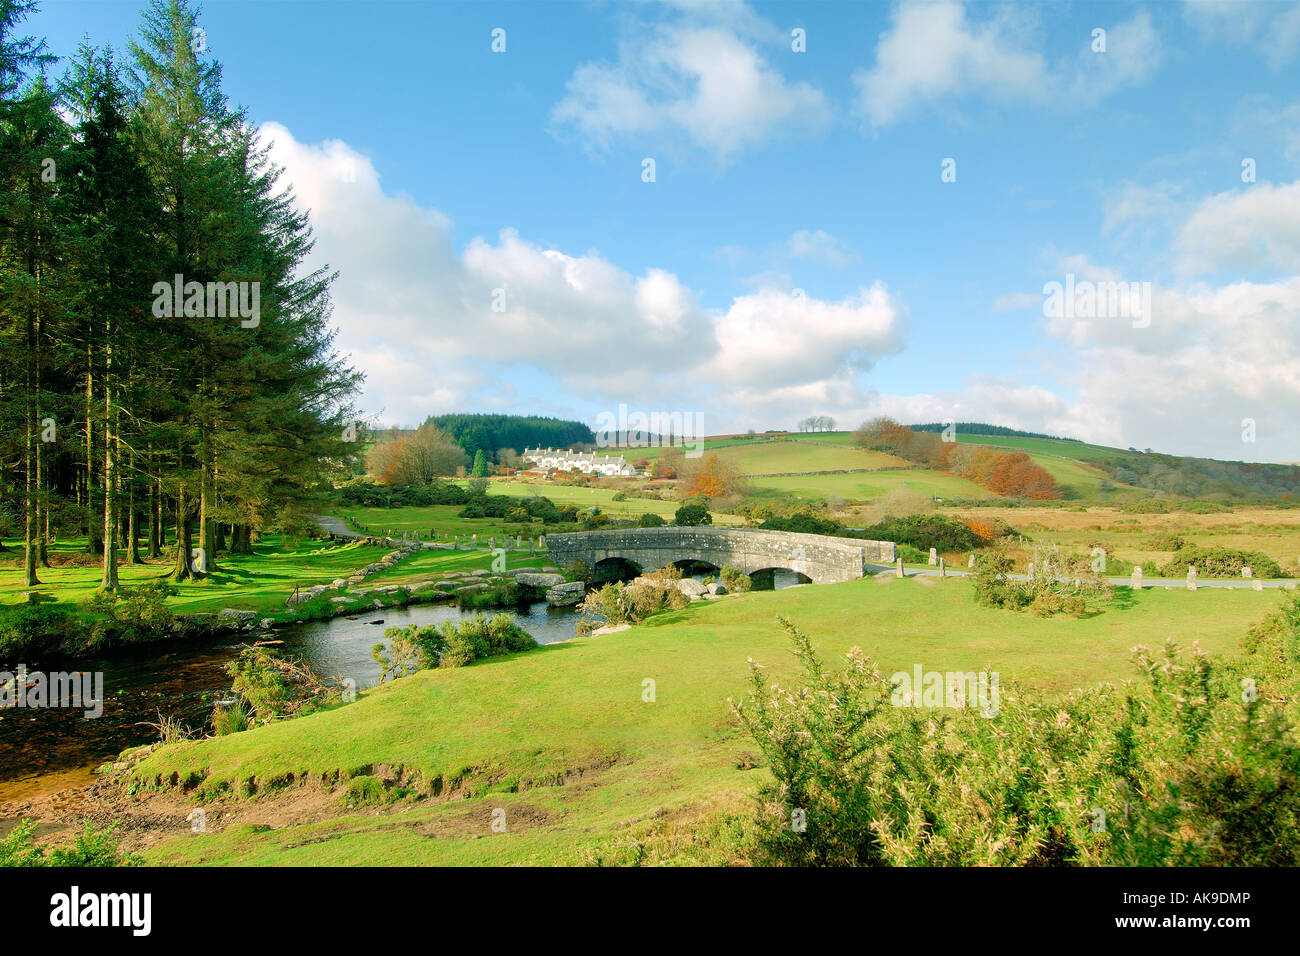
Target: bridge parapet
{"type": "Point", "coordinates": [821, 557]}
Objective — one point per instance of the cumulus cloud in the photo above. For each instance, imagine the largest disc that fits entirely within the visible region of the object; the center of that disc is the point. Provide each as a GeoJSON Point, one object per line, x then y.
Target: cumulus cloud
{"type": "Point", "coordinates": [1258, 225]}
{"type": "Point", "coordinates": [434, 326]}
{"type": "Point", "coordinates": [701, 80]}
{"type": "Point", "coordinates": [933, 53]}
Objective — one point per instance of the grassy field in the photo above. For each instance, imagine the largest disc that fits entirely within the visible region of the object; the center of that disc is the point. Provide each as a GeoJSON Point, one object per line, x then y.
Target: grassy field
{"type": "Point", "coordinates": [259, 581]}
{"type": "Point", "coordinates": [562, 741]}
{"type": "Point", "coordinates": [1048, 447]}
{"type": "Point", "coordinates": [864, 486]}
{"type": "Point", "coordinates": [1274, 531]}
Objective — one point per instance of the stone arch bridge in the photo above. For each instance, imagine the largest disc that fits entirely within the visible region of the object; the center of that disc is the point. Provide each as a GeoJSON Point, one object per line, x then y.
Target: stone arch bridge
{"type": "Point", "coordinates": [822, 558]}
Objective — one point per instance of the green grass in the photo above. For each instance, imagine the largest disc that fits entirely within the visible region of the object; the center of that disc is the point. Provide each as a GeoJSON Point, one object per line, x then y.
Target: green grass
{"type": "Point", "coordinates": [510, 728]}
{"type": "Point", "coordinates": [1046, 446]}
{"type": "Point", "coordinates": [866, 486]}
{"type": "Point", "coordinates": [260, 581]}
{"type": "Point", "coordinates": [257, 581]}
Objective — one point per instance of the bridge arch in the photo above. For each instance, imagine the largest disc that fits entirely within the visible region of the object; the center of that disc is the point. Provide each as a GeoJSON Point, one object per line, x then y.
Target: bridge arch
{"type": "Point", "coordinates": [821, 558]}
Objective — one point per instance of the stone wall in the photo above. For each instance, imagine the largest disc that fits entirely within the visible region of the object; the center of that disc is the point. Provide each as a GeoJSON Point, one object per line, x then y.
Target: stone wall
{"type": "Point", "coordinates": [822, 558]}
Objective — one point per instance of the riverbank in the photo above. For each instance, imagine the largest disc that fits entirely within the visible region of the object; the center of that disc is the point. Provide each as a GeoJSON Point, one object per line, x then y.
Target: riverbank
{"type": "Point", "coordinates": [585, 759]}
{"type": "Point", "coordinates": [282, 582]}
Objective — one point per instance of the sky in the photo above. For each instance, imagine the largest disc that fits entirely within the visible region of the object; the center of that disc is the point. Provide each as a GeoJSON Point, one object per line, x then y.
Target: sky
{"type": "Point", "coordinates": [1074, 218]}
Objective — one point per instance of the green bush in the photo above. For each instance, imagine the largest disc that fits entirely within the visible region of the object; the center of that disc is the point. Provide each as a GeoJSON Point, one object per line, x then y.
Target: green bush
{"type": "Point", "coordinates": [692, 515]}
{"type": "Point", "coordinates": [30, 630]}
{"type": "Point", "coordinates": [924, 532]}
{"type": "Point", "coordinates": [632, 603]}
{"type": "Point", "coordinates": [231, 719]}
{"type": "Point", "coordinates": [650, 520]}
{"type": "Point", "coordinates": [577, 570]}
{"type": "Point", "coordinates": [259, 679]}
{"type": "Point", "coordinates": [91, 847]}
{"type": "Point", "coordinates": [450, 644]}
{"type": "Point", "coordinates": [734, 579]}
{"type": "Point", "coordinates": [803, 521]}
{"type": "Point", "coordinates": [1165, 542]}
{"type": "Point", "coordinates": [1181, 768]}
{"type": "Point", "coordinates": [1221, 563]}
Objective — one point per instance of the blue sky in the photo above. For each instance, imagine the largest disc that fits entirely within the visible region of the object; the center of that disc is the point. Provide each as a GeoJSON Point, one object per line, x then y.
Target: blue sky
{"type": "Point", "coordinates": [797, 252]}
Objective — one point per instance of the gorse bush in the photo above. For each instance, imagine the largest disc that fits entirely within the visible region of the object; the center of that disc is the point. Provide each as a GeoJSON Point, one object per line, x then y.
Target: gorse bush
{"type": "Point", "coordinates": [927, 531]}
{"type": "Point", "coordinates": [1221, 563]}
{"type": "Point", "coordinates": [91, 847]}
{"type": "Point", "coordinates": [734, 579]}
{"type": "Point", "coordinates": [1194, 764]}
{"type": "Point", "coordinates": [450, 644]}
{"type": "Point", "coordinates": [1059, 583]}
{"type": "Point", "coordinates": [633, 602]}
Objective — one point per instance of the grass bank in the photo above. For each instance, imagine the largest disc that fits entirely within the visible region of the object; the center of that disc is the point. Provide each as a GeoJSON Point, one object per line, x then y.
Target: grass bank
{"type": "Point", "coordinates": [565, 744]}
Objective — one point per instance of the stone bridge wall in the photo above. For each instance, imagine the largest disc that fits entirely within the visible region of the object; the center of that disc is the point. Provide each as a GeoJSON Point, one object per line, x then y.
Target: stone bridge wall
{"type": "Point", "coordinates": [822, 558]}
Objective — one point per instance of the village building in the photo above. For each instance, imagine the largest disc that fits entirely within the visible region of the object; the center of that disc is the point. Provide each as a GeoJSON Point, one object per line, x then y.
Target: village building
{"type": "Point", "coordinates": [589, 463]}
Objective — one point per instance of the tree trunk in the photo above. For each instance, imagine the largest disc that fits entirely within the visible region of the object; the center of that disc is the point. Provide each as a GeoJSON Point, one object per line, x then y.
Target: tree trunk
{"type": "Point", "coordinates": [182, 569]}
{"type": "Point", "coordinates": [109, 580]}
{"type": "Point", "coordinates": [132, 521]}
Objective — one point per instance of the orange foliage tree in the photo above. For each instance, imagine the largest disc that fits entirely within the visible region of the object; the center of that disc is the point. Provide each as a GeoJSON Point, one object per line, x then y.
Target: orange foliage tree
{"type": "Point", "coordinates": [712, 477]}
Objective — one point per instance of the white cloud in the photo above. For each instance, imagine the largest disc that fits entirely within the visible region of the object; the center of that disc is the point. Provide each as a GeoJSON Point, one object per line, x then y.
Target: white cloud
{"type": "Point", "coordinates": [700, 81]}
{"type": "Point", "coordinates": [776, 338]}
{"type": "Point", "coordinates": [1258, 225]}
{"type": "Point", "coordinates": [417, 314]}
{"type": "Point", "coordinates": [933, 54]}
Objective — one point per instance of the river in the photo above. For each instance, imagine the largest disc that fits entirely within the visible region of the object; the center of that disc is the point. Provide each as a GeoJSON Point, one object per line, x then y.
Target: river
{"type": "Point", "coordinates": [50, 748]}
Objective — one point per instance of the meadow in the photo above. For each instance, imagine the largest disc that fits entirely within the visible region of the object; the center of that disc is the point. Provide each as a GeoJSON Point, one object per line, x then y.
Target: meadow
{"type": "Point", "coordinates": [563, 741]}
{"type": "Point", "coordinates": [259, 581]}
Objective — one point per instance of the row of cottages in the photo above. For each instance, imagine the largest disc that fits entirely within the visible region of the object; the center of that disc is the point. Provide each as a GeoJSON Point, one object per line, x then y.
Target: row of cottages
{"type": "Point", "coordinates": [554, 459]}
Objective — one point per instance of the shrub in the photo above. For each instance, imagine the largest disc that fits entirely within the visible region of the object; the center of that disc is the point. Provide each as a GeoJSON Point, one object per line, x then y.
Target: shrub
{"type": "Point", "coordinates": [1179, 768]}
{"type": "Point", "coordinates": [32, 629]}
{"type": "Point", "coordinates": [450, 644]}
{"type": "Point", "coordinates": [804, 521]}
{"type": "Point", "coordinates": [734, 579]}
{"type": "Point", "coordinates": [231, 719]}
{"type": "Point", "coordinates": [91, 847]}
{"type": "Point", "coordinates": [650, 520]}
{"type": "Point", "coordinates": [927, 531]}
{"type": "Point", "coordinates": [692, 515]}
{"type": "Point", "coordinates": [618, 496]}
{"type": "Point", "coordinates": [620, 603]}
{"type": "Point", "coordinates": [1165, 542]}
{"type": "Point", "coordinates": [260, 680]}
{"type": "Point", "coordinates": [993, 584]}
{"type": "Point", "coordinates": [577, 570]}
{"type": "Point", "coordinates": [1221, 563]}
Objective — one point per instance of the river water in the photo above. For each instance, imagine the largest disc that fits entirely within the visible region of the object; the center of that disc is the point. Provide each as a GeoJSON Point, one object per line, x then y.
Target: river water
{"type": "Point", "coordinates": [51, 748]}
